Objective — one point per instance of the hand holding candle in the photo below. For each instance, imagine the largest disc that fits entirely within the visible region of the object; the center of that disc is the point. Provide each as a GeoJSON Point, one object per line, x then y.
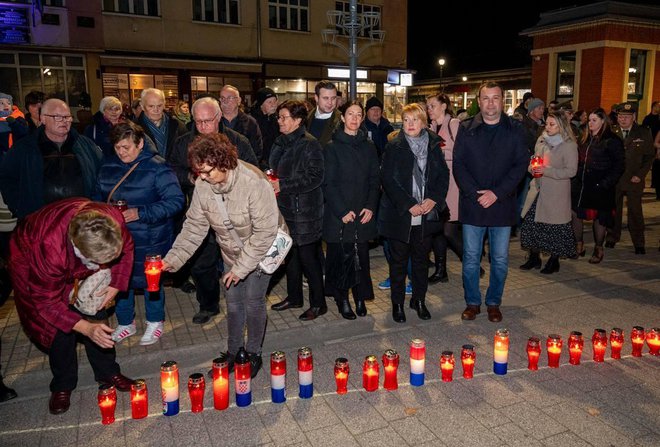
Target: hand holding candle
{"type": "Point", "coordinates": [536, 164]}
{"type": "Point", "coordinates": [153, 266]}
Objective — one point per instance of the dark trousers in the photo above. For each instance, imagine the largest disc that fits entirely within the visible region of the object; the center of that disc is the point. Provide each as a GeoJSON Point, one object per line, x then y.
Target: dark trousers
{"type": "Point", "coordinates": [64, 360]}
{"type": "Point", "coordinates": [364, 289]}
{"type": "Point", "coordinates": [417, 250]}
{"type": "Point", "coordinates": [635, 217]}
{"type": "Point", "coordinates": [451, 238]}
{"type": "Point", "coordinates": [204, 270]}
{"type": "Point", "coordinates": [305, 259]}
{"type": "Point", "coordinates": [655, 177]}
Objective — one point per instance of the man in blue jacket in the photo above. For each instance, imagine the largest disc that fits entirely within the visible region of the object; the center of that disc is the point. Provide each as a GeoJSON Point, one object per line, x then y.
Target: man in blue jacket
{"type": "Point", "coordinates": [490, 159]}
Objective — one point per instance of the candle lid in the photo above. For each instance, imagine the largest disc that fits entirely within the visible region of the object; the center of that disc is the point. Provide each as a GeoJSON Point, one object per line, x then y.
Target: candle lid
{"type": "Point", "coordinates": [468, 347]}
{"type": "Point", "coordinates": [617, 331]}
{"type": "Point", "coordinates": [638, 328]}
{"type": "Point", "coordinates": [599, 331]}
{"type": "Point", "coordinates": [120, 202]}
{"type": "Point", "coordinates": [417, 343]}
{"type": "Point", "coordinates": [278, 356]}
{"type": "Point", "coordinates": [196, 379]}
{"type": "Point", "coordinates": [169, 365]}
{"type": "Point", "coordinates": [304, 352]}
{"type": "Point", "coordinates": [221, 361]}
{"type": "Point", "coordinates": [370, 359]}
{"type": "Point", "coordinates": [139, 385]}
{"type": "Point", "coordinates": [533, 341]}
{"type": "Point", "coordinates": [576, 334]}
{"type": "Point", "coordinates": [106, 389]}
{"type": "Point", "coordinates": [341, 362]}
{"type": "Point", "coordinates": [554, 337]}
{"type": "Point", "coordinates": [391, 354]}
{"type": "Point", "coordinates": [504, 332]}
{"type": "Point", "coordinates": [152, 257]}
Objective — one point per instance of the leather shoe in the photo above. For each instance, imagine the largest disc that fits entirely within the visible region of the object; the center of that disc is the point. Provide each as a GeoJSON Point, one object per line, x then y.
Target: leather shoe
{"type": "Point", "coordinates": [610, 244]}
{"type": "Point", "coordinates": [255, 364]}
{"type": "Point", "coordinates": [345, 310]}
{"type": "Point", "coordinates": [398, 314]}
{"type": "Point", "coordinates": [439, 275]}
{"type": "Point", "coordinates": [203, 316]}
{"type": "Point", "coordinates": [59, 402]}
{"type": "Point", "coordinates": [422, 312]}
{"type": "Point", "coordinates": [360, 308]}
{"type": "Point", "coordinates": [6, 393]}
{"type": "Point", "coordinates": [120, 381]}
{"type": "Point", "coordinates": [640, 251]}
{"type": "Point", "coordinates": [312, 313]}
{"type": "Point", "coordinates": [286, 304]}
{"type": "Point", "coordinates": [471, 312]}
{"type": "Point", "coordinates": [494, 314]}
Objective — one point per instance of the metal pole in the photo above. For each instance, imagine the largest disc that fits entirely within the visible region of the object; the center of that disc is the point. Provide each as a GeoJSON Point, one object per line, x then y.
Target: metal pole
{"type": "Point", "coordinates": [352, 49]}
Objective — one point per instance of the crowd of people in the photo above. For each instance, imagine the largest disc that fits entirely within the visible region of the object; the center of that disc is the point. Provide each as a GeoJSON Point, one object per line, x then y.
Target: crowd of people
{"type": "Point", "coordinates": [188, 187]}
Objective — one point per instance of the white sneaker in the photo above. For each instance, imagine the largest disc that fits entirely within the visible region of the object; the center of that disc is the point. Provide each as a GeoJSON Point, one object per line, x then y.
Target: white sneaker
{"type": "Point", "coordinates": [123, 331]}
{"type": "Point", "coordinates": [153, 332]}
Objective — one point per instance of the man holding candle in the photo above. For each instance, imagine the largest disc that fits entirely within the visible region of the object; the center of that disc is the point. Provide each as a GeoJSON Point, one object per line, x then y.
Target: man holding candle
{"type": "Point", "coordinates": [490, 159]}
{"type": "Point", "coordinates": [50, 252]}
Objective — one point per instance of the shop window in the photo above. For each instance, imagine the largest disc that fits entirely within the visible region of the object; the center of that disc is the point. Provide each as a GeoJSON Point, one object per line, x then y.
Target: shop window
{"type": "Point", "coordinates": [636, 74]}
{"type": "Point", "coordinates": [288, 14]}
{"type": "Point", "coordinates": [217, 11]}
{"type": "Point", "coordinates": [59, 3]}
{"type": "Point", "coordinates": [361, 8]}
{"type": "Point", "coordinates": [137, 7]}
{"type": "Point", "coordinates": [9, 83]}
{"type": "Point", "coordinates": [565, 75]}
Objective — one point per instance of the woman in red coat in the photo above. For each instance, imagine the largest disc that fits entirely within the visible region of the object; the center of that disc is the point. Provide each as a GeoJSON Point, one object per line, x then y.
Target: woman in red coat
{"type": "Point", "coordinates": [52, 248]}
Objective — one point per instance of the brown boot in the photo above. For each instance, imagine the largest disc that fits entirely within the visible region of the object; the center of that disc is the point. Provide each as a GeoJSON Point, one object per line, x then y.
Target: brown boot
{"type": "Point", "coordinates": [471, 312]}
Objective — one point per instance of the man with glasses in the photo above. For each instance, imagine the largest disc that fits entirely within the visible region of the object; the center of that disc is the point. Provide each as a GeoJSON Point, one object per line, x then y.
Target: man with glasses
{"type": "Point", "coordinates": [234, 118]}
{"type": "Point", "coordinates": [203, 265]}
{"type": "Point", "coordinates": [160, 127]}
{"type": "Point", "coordinates": [53, 163]}
{"type": "Point", "coordinates": [323, 120]}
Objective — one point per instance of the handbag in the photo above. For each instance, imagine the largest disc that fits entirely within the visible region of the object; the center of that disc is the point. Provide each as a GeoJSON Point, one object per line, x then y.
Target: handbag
{"type": "Point", "coordinates": [278, 249]}
{"type": "Point", "coordinates": [83, 295]}
{"type": "Point", "coordinates": [343, 267]}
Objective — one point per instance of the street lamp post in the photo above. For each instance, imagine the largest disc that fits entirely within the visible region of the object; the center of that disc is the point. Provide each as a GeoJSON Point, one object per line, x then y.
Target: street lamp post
{"type": "Point", "coordinates": [441, 62]}
{"type": "Point", "coordinates": [352, 24]}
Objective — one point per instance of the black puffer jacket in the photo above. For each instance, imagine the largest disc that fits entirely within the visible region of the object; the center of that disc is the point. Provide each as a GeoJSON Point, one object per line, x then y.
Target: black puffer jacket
{"type": "Point", "coordinates": [297, 159]}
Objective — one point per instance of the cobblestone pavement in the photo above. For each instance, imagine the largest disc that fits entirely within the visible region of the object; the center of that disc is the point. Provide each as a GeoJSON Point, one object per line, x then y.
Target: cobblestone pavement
{"type": "Point", "coordinates": [612, 403]}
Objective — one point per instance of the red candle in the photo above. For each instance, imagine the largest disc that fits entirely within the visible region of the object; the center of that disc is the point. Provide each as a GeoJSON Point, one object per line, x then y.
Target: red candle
{"type": "Point", "coordinates": [599, 343]}
{"type": "Point", "coordinates": [272, 177]}
{"type": "Point", "coordinates": [139, 399]}
{"type": "Point", "coordinates": [616, 342]}
{"type": "Point", "coordinates": [447, 363]}
{"type": "Point", "coordinates": [221, 382]}
{"type": "Point", "coordinates": [553, 345]}
{"type": "Point", "coordinates": [537, 161]}
{"type": "Point", "coordinates": [468, 357]}
{"type": "Point", "coordinates": [278, 377]}
{"type": "Point", "coordinates": [121, 205]}
{"type": "Point", "coordinates": [107, 399]}
{"type": "Point", "coordinates": [196, 387]}
{"type": "Point", "coordinates": [533, 353]}
{"type": "Point", "coordinates": [637, 336]}
{"type": "Point", "coordinates": [575, 347]}
{"type": "Point", "coordinates": [390, 366]}
{"type": "Point", "coordinates": [153, 266]}
{"type": "Point", "coordinates": [341, 375]}
{"type": "Point", "coordinates": [370, 373]}
{"type": "Point", "coordinates": [653, 340]}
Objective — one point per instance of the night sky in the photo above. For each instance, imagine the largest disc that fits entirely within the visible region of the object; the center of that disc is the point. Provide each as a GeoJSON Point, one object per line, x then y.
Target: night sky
{"type": "Point", "coordinates": [473, 39]}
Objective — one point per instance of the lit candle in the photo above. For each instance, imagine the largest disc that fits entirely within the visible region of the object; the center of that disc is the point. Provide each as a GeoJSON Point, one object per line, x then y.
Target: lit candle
{"type": "Point", "coordinates": [278, 377]}
{"type": "Point", "coordinates": [221, 382]}
{"type": "Point", "coordinates": [153, 266]}
{"type": "Point", "coordinates": [553, 345]}
{"type": "Point", "coordinates": [637, 336]}
{"type": "Point", "coordinates": [653, 340]}
{"type": "Point", "coordinates": [390, 366]}
{"type": "Point", "coordinates": [616, 342]}
{"type": "Point", "coordinates": [370, 373]}
{"type": "Point", "coordinates": [468, 357]}
{"type": "Point", "coordinates": [533, 353]}
{"type": "Point", "coordinates": [575, 347]}
{"type": "Point", "coordinates": [169, 384]}
{"type": "Point", "coordinates": [417, 361]}
{"type": "Point", "coordinates": [242, 378]}
{"type": "Point", "coordinates": [196, 388]}
{"type": "Point", "coordinates": [447, 364]}
{"type": "Point", "coordinates": [305, 373]}
{"type": "Point", "coordinates": [501, 352]}
{"type": "Point", "coordinates": [139, 399]}
{"type": "Point", "coordinates": [537, 161]}
{"type": "Point", "coordinates": [599, 344]}
{"type": "Point", "coordinates": [341, 375]}
{"type": "Point", "coordinates": [107, 399]}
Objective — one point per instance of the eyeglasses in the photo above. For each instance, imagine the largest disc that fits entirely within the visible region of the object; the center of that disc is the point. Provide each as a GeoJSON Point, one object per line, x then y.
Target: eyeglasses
{"type": "Point", "coordinates": [228, 98]}
{"type": "Point", "coordinates": [200, 123]}
{"type": "Point", "coordinates": [60, 118]}
{"type": "Point", "coordinates": [205, 173]}
{"type": "Point", "coordinates": [283, 117]}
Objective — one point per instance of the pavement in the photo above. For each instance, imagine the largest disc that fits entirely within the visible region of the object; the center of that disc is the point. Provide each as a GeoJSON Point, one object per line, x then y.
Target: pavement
{"type": "Point", "coordinates": [615, 403]}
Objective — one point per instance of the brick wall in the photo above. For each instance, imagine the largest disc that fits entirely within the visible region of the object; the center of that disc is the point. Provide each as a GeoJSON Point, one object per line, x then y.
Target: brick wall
{"type": "Point", "coordinates": [595, 33]}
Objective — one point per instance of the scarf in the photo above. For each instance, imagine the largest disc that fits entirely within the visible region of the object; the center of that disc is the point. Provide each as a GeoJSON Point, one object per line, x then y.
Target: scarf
{"type": "Point", "coordinates": [419, 146]}
{"type": "Point", "coordinates": [553, 140]}
{"type": "Point", "coordinates": [86, 262]}
{"type": "Point", "coordinates": [183, 117]}
{"type": "Point", "coordinates": [159, 133]}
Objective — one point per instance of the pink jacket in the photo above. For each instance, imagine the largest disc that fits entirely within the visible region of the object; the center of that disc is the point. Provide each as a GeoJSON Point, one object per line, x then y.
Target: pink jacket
{"type": "Point", "coordinates": [448, 150]}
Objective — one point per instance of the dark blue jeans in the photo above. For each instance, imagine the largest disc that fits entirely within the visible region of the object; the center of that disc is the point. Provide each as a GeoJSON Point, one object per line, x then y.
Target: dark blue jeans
{"type": "Point", "coordinates": [498, 240]}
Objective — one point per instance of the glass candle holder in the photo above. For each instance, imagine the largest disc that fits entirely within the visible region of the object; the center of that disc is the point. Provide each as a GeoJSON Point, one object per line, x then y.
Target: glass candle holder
{"type": "Point", "coordinates": [553, 345]}
{"type": "Point", "coordinates": [536, 161]}
{"type": "Point", "coordinates": [447, 364]}
{"type": "Point", "coordinates": [305, 373]}
{"type": "Point", "coordinates": [616, 342]}
{"type": "Point", "coordinates": [653, 340]}
{"type": "Point", "coordinates": [468, 358]}
{"type": "Point", "coordinates": [390, 368]}
{"type": "Point", "coordinates": [501, 352]}
{"type": "Point", "coordinates": [242, 378]}
{"type": "Point", "coordinates": [370, 373]}
{"type": "Point", "coordinates": [599, 344]}
{"type": "Point", "coordinates": [341, 375]}
{"type": "Point", "coordinates": [107, 399]}
{"type": "Point", "coordinates": [169, 384]}
{"type": "Point", "coordinates": [637, 337]}
{"type": "Point", "coordinates": [139, 399]}
{"type": "Point", "coordinates": [533, 353]}
{"type": "Point", "coordinates": [221, 382]}
{"type": "Point", "coordinates": [121, 205]}
{"type": "Point", "coordinates": [196, 388]}
{"type": "Point", "coordinates": [153, 267]}
{"type": "Point", "coordinates": [278, 377]}
{"type": "Point", "coordinates": [417, 362]}
{"type": "Point", "coordinates": [575, 347]}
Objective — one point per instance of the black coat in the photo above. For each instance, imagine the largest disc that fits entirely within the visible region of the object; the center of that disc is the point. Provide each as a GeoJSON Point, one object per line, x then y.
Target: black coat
{"type": "Point", "coordinates": [397, 180]}
{"type": "Point", "coordinates": [493, 160]}
{"type": "Point", "coordinates": [99, 132]}
{"type": "Point", "coordinates": [248, 127]}
{"type": "Point", "coordinates": [297, 159]}
{"type": "Point", "coordinates": [601, 161]}
{"type": "Point", "coordinates": [269, 131]}
{"type": "Point", "coordinates": [351, 183]}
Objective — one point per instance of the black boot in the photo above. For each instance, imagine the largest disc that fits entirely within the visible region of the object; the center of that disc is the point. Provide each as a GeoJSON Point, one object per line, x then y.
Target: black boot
{"type": "Point", "coordinates": [440, 274]}
{"type": "Point", "coordinates": [255, 364]}
{"type": "Point", "coordinates": [551, 266]}
{"type": "Point", "coordinates": [360, 308]}
{"type": "Point", "coordinates": [398, 314]}
{"type": "Point", "coordinates": [345, 310]}
{"type": "Point", "coordinates": [533, 262]}
{"type": "Point", "coordinates": [6, 393]}
{"type": "Point", "coordinates": [419, 306]}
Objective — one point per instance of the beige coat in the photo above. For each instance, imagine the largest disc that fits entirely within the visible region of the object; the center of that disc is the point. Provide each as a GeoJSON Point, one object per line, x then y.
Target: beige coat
{"type": "Point", "coordinates": [554, 187]}
{"type": "Point", "coordinates": [252, 209]}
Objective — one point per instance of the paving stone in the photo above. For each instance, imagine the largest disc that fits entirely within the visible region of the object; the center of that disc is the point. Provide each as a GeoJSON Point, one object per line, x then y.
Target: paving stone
{"type": "Point", "coordinates": [190, 429]}
{"type": "Point", "coordinates": [231, 425]}
{"type": "Point", "coordinates": [487, 415]}
{"type": "Point", "coordinates": [346, 407]}
{"type": "Point", "coordinates": [513, 435]}
{"type": "Point", "coordinates": [312, 414]}
{"type": "Point", "coordinates": [565, 439]}
{"type": "Point", "coordinates": [454, 426]}
{"type": "Point", "coordinates": [334, 435]}
{"type": "Point", "coordinates": [532, 421]}
{"type": "Point", "coordinates": [381, 437]}
{"type": "Point", "coordinates": [413, 431]}
{"type": "Point", "coordinates": [281, 425]}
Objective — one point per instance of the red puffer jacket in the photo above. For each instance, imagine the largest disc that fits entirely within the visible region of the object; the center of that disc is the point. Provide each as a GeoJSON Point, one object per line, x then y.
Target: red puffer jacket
{"type": "Point", "coordinates": [43, 267]}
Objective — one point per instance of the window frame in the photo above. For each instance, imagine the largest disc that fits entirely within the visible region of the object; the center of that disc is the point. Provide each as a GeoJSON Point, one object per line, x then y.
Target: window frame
{"type": "Point", "coordinates": [565, 56]}
{"type": "Point", "coordinates": [286, 4]}
{"type": "Point", "coordinates": [216, 12]}
{"type": "Point", "coordinates": [131, 8]}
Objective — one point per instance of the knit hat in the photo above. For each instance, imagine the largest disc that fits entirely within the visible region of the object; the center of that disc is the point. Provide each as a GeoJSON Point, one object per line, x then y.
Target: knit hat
{"type": "Point", "coordinates": [534, 103]}
{"type": "Point", "coordinates": [263, 94]}
{"type": "Point", "coordinates": [373, 102]}
{"type": "Point", "coordinates": [10, 99]}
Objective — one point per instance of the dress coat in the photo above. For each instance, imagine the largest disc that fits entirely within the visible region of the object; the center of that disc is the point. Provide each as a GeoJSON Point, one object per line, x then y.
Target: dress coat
{"type": "Point", "coordinates": [43, 267]}
{"type": "Point", "coordinates": [640, 153]}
